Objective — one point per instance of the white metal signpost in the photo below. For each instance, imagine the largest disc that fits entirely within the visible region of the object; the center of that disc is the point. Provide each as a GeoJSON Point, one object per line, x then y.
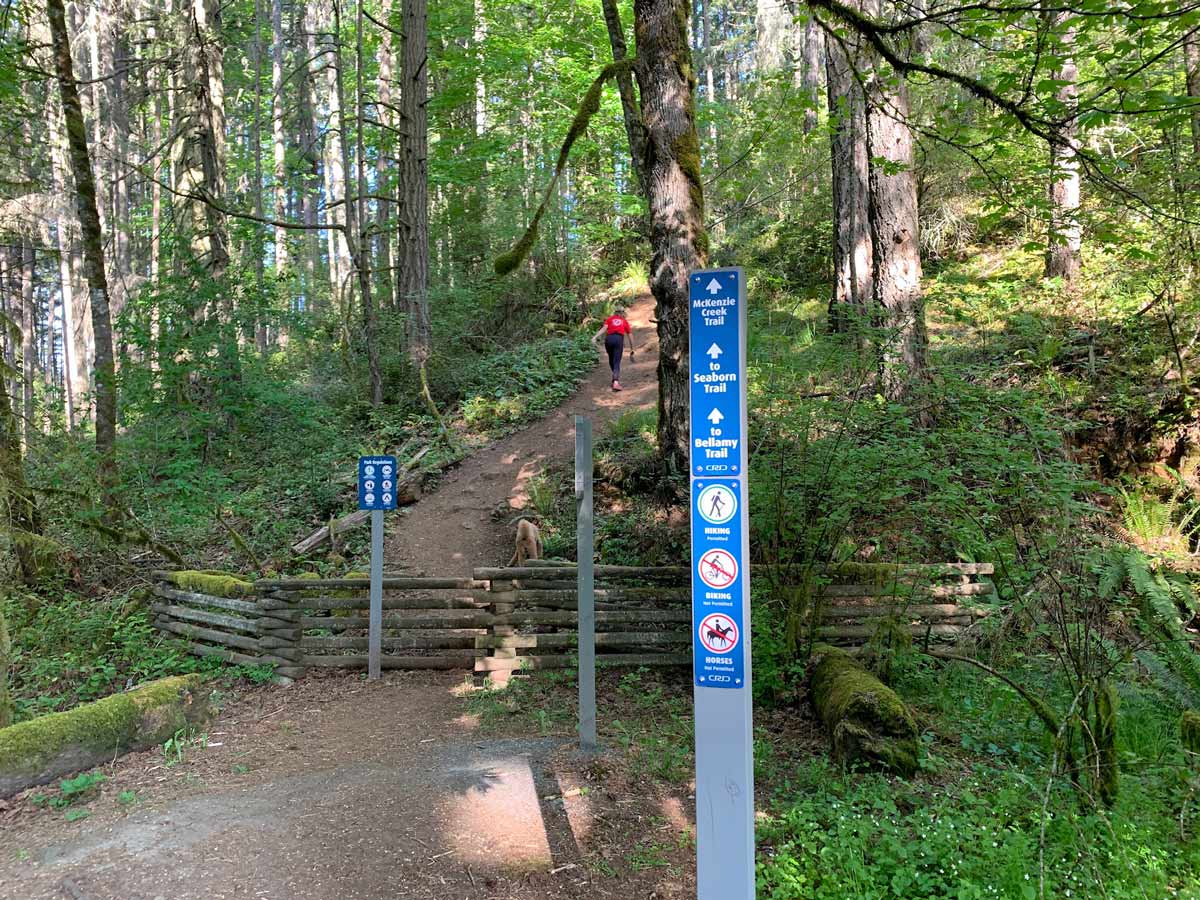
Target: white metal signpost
{"type": "Point", "coordinates": [721, 587]}
{"type": "Point", "coordinates": [376, 492]}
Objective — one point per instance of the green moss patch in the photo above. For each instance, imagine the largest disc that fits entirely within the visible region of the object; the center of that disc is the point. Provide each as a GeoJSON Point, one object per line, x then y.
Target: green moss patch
{"type": "Point", "coordinates": [45, 748]}
{"type": "Point", "coordinates": [215, 584]}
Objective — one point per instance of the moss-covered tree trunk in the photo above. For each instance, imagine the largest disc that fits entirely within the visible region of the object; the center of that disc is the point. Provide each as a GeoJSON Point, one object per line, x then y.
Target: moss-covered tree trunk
{"type": "Point", "coordinates": [678, 240]}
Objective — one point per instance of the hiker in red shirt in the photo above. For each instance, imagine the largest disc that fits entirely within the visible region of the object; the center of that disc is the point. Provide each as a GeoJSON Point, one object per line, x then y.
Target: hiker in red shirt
{"type": "Point", "coordinates": [614, 330]}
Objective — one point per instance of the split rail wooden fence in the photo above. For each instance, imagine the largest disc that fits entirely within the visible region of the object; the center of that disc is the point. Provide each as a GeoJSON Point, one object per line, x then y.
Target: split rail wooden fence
{"type": "Point", "coordinates": [505, 619]}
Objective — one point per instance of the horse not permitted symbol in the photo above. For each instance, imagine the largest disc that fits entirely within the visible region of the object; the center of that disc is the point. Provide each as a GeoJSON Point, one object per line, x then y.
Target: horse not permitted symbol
{"type": "Point", "coordinates": [719, 633]}
{"type": "Point", "coordinates": [718, 569]}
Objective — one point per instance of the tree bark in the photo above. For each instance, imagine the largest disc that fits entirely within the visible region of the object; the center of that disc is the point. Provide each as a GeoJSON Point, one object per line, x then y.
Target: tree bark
{"type": "Point", "coordinates": [28, 341]}
{"type": "Point", "coordinates": [635, 131]}
{"type": "Point", "coordinates": [809, 71]}
{"type": "Point", "coordinates": [200, 149]}
{"type": "Point", "coordinates": [75, 381]}
{"type": "Point", "coordinates": [1065, 237]}
{"type": "Point", "coordinates": [93, 253]}
{"type": "Point", "coordinates": [278, 141]}
{"type": "Point", "coordinates": [895, 239]}
{"type": "Point", "coordinates": [340, 264]}
{"type": "Point", "coordinates": [383, 207]}
{"type": "Point", "coordinates": [356, 218]}
{"type": "Point", "coordinates": [307, 26]}
{"type": "Point", "coordinates": [1191, 53]}
{"type": "Point", "coordinates": [853, 262]}
{"type": "Point", "coordinates": [413, 249]}
{"type": "Point", "coordinates": [678, 239]}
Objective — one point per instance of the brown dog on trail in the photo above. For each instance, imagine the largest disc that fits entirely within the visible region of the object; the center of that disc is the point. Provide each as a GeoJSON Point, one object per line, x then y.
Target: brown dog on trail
{"type": "Point", "coordinates": [529, 543]}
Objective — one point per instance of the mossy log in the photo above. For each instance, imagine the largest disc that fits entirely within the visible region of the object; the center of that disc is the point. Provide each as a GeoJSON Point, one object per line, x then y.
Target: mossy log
{"type": "Point", "coordinates": [866, 720]}
{"type": "Point", "coordinates": [54, 745]}
{"type": "Point", "coordinates": [212, 583]}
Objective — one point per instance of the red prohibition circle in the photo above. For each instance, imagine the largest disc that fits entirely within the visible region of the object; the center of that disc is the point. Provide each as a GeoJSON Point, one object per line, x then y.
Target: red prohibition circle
{"type": "Point", "coordinates": [719, 633]}
{"type": "Point", "coordinates": [718, 569]}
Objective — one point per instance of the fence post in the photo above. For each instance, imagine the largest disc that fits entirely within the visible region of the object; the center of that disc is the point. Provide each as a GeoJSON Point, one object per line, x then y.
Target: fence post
{"type": "Point", "coordinates": [586, 584]}
{"type": "Point", "coordinates": [279, 631]}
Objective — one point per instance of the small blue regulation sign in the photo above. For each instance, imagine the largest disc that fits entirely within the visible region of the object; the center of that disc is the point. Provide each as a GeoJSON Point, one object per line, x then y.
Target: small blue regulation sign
{"type": "Point", "coordinates": [377, 482]}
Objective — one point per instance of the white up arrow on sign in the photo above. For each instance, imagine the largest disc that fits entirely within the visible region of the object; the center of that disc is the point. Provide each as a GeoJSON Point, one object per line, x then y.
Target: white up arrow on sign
{"type": "Point", "coordinates": [715, 417]}
{"type": "Point", "coordinates": [714, 351]}
{"type": "Point", "coordinates": [714, 286]}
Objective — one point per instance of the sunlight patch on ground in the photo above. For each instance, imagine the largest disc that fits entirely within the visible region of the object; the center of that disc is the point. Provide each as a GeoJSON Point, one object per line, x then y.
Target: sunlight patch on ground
{"type": "Point", "coordinates": [493, 818]}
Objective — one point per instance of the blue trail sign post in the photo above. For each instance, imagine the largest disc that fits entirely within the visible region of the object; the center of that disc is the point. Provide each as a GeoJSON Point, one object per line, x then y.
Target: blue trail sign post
{"type": "Point", "coordinates": [377, 477]}
{"type": "Point", "coordinates": [720, 518]}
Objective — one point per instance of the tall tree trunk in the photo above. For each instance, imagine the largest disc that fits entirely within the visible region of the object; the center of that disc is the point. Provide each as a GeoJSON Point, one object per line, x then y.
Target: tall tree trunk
{"type": "Point", "coordinates": [93, 252]}
{"type": "Point", "coordinates": [710, 81]}
{"type": "Point", "coordinates": [256, 242]}
{"type": "Point", "coordinates": [809, 70]}
{"type": "Point", "coordinates": [28, 340]}
{"type": "Point", "coordinates": [635, 131]}
{"type": "Point", "coordinates": [341, 268]}
{"type": "Point", "coordinates": [278, 141]}
{"type": "Point", "coordinates": [356, 217]}
{"type": "Point", "coordinates": [310, 187]}
{"type": "Point", "coordinates": [895, 238]}
{"type": "Point", "coordinates": [413, 249]}
{"type": "Point", "coordinates": [17, 501]}
{"type": "Point", "coordinates": [200, 149]}
{"type": "Point", "coordinates": [383, 208]}
{"type": "Point", "coordinates": [75, 372]}
{"type": "Point", "coordinates": [853, 263]}
{"type": "Point", "coordinates": [1065, 237]}
{"type": "Point", "coordinates": [1191, 54]}
{"type": "Point", "coordinates": [678, 240]}
{"type": "Point", "coordinates": [773, 28]}
{"type": "Point", "coordinates": [156, 214]}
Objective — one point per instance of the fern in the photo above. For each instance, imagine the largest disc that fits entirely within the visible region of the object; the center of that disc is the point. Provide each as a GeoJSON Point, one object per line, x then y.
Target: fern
{"type": "Point", "coordinates": [1160, 595]}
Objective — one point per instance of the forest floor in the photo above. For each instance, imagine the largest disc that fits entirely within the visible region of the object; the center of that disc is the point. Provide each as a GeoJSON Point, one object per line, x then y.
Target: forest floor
{"type": "Point", "coordinates": [336, 789]}
{"type": "Point", "coordinates": [469, 520]}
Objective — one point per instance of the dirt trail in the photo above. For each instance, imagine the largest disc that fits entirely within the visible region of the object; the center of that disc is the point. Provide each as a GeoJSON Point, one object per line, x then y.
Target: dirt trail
{"type": "Point", "coordinates": [453, 529]}
{"type": "Point", "coordinates": [335, 789]}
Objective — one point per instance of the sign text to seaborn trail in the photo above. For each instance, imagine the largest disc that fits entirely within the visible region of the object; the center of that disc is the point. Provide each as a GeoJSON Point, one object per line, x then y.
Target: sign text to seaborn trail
{"type": "Point", "coordinates": [721, 586]}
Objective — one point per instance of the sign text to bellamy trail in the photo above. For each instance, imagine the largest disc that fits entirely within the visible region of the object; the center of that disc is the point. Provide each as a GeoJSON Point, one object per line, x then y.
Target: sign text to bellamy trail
{"type": "Point", "coordinates": [717, 392]}
{"type": "Point", "coordinates": [721, 587]}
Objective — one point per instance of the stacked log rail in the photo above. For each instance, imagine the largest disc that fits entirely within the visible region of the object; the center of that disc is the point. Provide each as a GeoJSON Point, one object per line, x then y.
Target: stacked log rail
{"type": "Point", "coordinates": [509, 618]}
{"type": "Point", "coordinates": [642, 617]}
{"type": "Point", "coordinates": [642, 613]}
{"type": "Point", "coordinates": [428, 623]}
{"type": "Point", "coordinates": [236, 629]}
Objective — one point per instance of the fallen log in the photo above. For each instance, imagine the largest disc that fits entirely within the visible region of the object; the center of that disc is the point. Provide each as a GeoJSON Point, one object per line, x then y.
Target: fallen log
{"type": "Point", "coordinates": [866, 720]}
{"type": "Point", "coordinates": [51, 746]}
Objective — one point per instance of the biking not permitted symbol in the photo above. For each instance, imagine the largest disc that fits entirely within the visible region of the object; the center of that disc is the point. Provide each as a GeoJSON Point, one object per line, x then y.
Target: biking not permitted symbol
{"type": "Point", "coordinates": [719, 633]}
{"type": "Point", "coordinates": [718, 569]}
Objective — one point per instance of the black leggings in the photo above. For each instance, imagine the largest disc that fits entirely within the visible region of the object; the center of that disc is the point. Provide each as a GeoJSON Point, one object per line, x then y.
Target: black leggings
{"type": "Point", "coordinates": [615, 345]}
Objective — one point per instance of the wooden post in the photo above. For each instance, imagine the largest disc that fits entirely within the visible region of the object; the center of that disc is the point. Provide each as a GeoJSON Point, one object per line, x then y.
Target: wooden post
{"type": "Point", "coordinates": [279, 633]}
{"type": "Point", "coordinates": [584, 546]}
